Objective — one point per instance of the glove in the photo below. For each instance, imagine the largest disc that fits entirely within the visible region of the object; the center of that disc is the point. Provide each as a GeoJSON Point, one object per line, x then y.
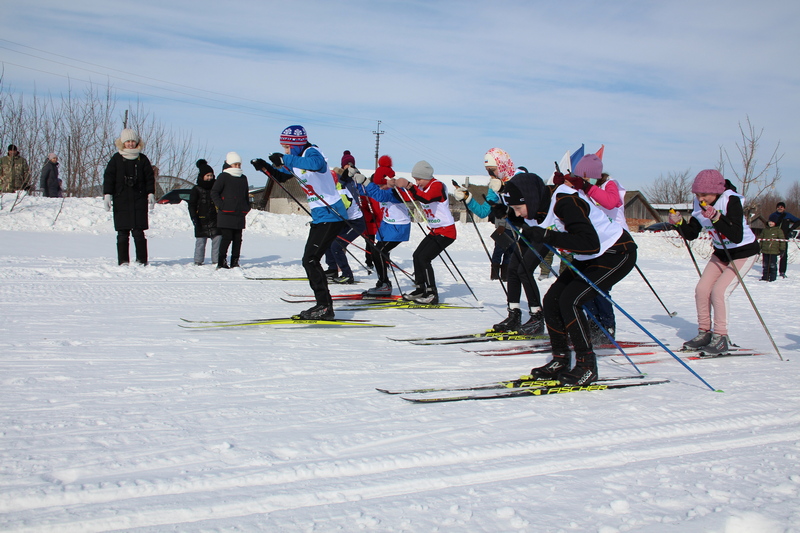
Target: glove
{"type": "Point", "coordinates": [462, 194]}
{"type": "Point", "coordinates": [558, 178]}
{"type": "Point", "coordinates": [259, 164]}
{"type": "Point", "coordinates": [536, 234]}
{"type": "Point", "coordinates": [675, 218]}
{"type": "Point", "coordinates": [107, 202]}
{"type": "Point", "coordinates": [151, 201]}
{"type": "Point", "coordinates": [499, 210]}
{"type": "Point", "coordinates": [401, 182]}
{"type": "Point", "coordinates": [359, 178]}
{"type": "Point", "coordinates": [711, 213]}
{"type": "Point", "coordinates": [276, 159]}
{"type": "Point", "coordinates": [352, 171]}
{"type": "Point", "coordinates": [495, 184]}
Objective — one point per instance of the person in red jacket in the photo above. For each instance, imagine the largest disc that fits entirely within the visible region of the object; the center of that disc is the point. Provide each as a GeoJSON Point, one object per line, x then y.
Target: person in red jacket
{"type": "Point", "coordinates": [432, 196]}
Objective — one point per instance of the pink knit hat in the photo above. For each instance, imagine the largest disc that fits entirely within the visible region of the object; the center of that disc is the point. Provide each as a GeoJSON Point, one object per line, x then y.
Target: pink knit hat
{"type": "Point", "coordinates": [708, 181]}
{"type": "Point", "coordinates": [590, 166]}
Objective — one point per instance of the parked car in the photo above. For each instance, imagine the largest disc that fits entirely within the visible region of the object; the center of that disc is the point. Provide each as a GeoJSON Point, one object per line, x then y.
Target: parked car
{"type": "Point", "coordinates": [175, 196]}
{"type": "Point", "coordinates": [659, 226]}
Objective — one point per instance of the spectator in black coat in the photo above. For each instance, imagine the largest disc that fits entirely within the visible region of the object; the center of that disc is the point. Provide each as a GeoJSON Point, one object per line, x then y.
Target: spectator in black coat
{"type": "Point", "coordinates": [48, 180]}
{"type": "Point", "coordinates": [788, 223]}
{"type": "Point", "coordinates": [203, 213]}
{"type": "Point", "coordinates": [129, 187]}
{"type": "Point", "coordinates": [231, 196]}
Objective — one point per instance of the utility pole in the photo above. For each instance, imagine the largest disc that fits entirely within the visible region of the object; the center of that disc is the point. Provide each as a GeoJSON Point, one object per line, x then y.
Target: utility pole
{"type": "Point", "coordinates": [125, 121]}
{"type": "Point", "coordinates": [377, 134]}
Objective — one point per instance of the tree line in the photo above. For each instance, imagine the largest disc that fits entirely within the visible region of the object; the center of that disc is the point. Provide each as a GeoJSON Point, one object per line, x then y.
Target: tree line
{"type": "Point", "coordinates": [80, 126]}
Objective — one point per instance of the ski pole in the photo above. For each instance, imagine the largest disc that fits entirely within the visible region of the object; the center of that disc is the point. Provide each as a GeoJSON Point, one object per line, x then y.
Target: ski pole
{"type": "Point", "coordinates": [472, 218]}
{"type": "Point", "coordinates": [309, 214]}
{"type": "Point", "coordinates": [688, 247]}
{"type": "Point", "coordinates": [605, 295]}
{"type": "Point", "coordinates": [639, 270]}
{"type": "Point", "coordinates": [611, 338]}
{"type": "Point", "coordinates": [747, 292]}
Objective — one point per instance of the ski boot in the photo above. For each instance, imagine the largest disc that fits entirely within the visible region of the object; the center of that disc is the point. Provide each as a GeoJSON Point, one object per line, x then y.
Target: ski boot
{"type": "Point", "coordinates": [703, 338]}
{"type": "Point", "coordinates": [584, 373]}
{"type": "Point", "coordinates": [318, 312]}
{"type": "Point", "coordinates": [344, 280]}
{"type": "Point", "coordinates": [534, 325]}
{"type": "Point", "coordinates": [422, 295]}
{"type": "Point", "coordinates": [718, 345]}
{"type": "Point", "coordinates": [511, 323]}
{"type": "Point", "coordinates": [381, 289]}
{"type": "Point", "coordinates": [552, 369]}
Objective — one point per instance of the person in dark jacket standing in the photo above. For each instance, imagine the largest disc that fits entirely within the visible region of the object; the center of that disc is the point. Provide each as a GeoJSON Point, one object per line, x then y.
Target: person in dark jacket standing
{"type": "Point", "coordinates": [129, 187]}
{"type": "Point", "coordinates": [48, 180]}
{"type": "Point", "coordinates": [231, 196]}
{"type": "Point", "coordinates": [203, 213]}
{"type": "Point", "coordinates": [788, 223]}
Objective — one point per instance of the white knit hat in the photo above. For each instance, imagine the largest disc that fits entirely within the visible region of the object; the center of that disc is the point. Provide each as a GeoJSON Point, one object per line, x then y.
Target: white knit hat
{"type": "Point", "coordinates": [422, 170]}
{"type": "Point", "coordinates": [232, 158]}
{"type": "Point", "coordinates": [128, 135]}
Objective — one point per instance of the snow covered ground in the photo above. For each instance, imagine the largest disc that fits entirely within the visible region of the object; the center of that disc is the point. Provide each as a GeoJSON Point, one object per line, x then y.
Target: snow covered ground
{"type": "Point", "coordinates": [114, 418]}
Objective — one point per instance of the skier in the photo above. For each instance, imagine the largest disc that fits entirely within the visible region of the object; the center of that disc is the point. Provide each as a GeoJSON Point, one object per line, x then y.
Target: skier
{"type": "Point", "coordinates": [608, 195]}
{"type": "Point", "coordinates": [719, 211]}
{"type": "Point", "coordinates": [305, 162]}
{"type": "Point", "coordinates": [350, 182]}
{"type": "Point", "coordinates": [523, 260]}
{"type": "Point", "coordinates": [604, 253]}
{"type": "Point", "coordinates": [432, 196]}
{"type": "Point", "coordinates": [129, 187]}
{"type": "Point", "coordinates": [203, 213]}
{"type": "Point", "coordinates": [394, 223]}
{"type": "Point", "coordinates": [231, 196]}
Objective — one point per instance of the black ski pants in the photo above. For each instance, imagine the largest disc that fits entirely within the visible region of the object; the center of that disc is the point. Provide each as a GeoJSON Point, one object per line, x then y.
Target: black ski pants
{"type": "Point", "coordinates": [430, 247]}
{"type": "Point", "coordinates": [320, 237]}
{"type": "Point", "coordinates": [563, 303]}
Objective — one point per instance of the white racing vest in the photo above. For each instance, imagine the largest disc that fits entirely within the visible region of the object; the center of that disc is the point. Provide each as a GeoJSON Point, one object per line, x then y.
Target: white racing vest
{"type": "Point", "coordinates": [438, 214]}
{"type": "Point", "coordinates": [721, 205]}
{"type": "Point", "coordinates": [318, 186]}
{"type": "Point", "coordinates": [607, 230]}
{"type": "Point", "coordinates": [394, 213]}
{"type": "Point", "coordinates": [618, 213]}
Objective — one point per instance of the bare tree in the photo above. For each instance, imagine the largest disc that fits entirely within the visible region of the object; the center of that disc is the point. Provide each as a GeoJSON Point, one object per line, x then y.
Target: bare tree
{"type": "Point", "coordinates": [754, 180]}
{"type": "Point", "coordinates": [675, 188]}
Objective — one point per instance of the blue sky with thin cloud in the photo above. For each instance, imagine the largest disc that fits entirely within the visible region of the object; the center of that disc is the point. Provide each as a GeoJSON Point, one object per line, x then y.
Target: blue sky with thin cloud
{"type": "Point", "coordinates": [663, 85]}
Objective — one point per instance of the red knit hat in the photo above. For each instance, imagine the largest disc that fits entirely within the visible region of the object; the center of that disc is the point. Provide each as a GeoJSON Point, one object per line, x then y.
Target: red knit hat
{"type": "Point", "coordinates": [347, 157]}
{"type": "Point", "coordinates": [383, 171]}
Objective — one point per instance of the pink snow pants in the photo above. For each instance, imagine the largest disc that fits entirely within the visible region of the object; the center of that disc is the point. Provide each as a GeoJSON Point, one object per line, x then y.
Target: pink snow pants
{"type": "Point", "coordinates": [716, 284]}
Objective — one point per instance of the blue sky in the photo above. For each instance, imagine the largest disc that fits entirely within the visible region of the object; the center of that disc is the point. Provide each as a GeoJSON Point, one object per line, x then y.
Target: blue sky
{"type": "Point", "coordinates": [663, 85]}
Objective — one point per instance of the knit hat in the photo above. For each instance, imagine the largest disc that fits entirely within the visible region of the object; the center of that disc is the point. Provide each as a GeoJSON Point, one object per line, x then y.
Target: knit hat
{"type": "Point", "coordinates": [347, 158]}
{"type": "Point", "coordinates": [294, 136]}
{"type": "Point", "coordinates": [774, 217]}
{"type": "Point", "coordinates": [422, 171]}
{"type": "Point", "coordinates": [12, 147]}
{"type": "Point", "coordinates": [708, 181]}
{"type": "Point", "coordinates": [383, 171]}
{"type": "Point", "coordinates": [128, 135]}
{"type": "Point", "coordinates": [589, 166]}
{"type": "Point", "coordinates": [232, 158]}
{"type": "Point", "coordinates": [496, 157]}
{"type": "Point", "coordinates": [512, 194]}
{"type": "Point", "coordinates": [203, 168]}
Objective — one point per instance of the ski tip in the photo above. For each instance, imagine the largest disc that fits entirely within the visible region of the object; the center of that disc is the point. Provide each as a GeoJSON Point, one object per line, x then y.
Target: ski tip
{"type": "Point", "coordinates": [719, 390]}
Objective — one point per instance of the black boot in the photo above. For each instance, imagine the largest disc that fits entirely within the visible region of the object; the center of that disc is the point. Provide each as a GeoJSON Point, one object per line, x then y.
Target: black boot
{"type": "Point", "coordinates": [141, 251]}
{"type": "Point", "coordinates": [323, 311]}
{"type": "Point", "coordinates": [534, 325]}
{"type": "Point", "coordinates": [552, 368]}
{"type": "Point", "coordinates": [584, 373]}
{"type": "Point", "coordinates": [234, 262]}
{"type": "Point", "coordinates": [123, 254]}
{"type": "Point", "coordinates": [495, 274]}
{"type": "Point", "coordinates": [511, 323]}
